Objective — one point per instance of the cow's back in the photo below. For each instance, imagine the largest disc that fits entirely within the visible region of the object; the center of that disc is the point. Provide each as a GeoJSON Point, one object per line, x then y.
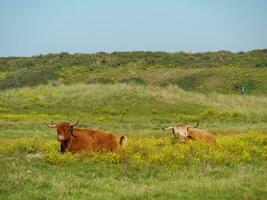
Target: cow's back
{"type": "Point", "coordinates": [104, 140]}
{"type": "Point", "coordinates": [94, 140]}
{"type": "Point", "coordinates": [195, 133]}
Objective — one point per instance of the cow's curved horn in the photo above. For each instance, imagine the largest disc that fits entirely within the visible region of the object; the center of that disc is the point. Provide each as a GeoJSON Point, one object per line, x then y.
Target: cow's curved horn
{"type": "Point", "coordinates": [51, 125]}
{"type": "Point", "coordinates": [196, 125]}
{"type": "Point", "coordinates": [75, 124]}
{"type": "Point", "coordinates": [193, 126]}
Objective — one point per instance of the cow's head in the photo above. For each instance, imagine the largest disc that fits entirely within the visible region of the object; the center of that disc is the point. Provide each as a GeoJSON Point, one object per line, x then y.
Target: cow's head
{"type": "Point", "coordinates": [64, 130]}
{"type": "Point", "coordinates": [180, 129]}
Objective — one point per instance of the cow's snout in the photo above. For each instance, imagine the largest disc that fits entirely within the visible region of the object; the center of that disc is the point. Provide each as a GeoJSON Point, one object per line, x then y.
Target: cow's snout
{"type": "Point", "coordinates": [60, 138]}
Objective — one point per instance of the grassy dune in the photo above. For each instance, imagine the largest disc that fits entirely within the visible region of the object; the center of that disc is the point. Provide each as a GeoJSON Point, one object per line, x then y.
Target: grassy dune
{"type": "Point", "coordinates": [151, 167]}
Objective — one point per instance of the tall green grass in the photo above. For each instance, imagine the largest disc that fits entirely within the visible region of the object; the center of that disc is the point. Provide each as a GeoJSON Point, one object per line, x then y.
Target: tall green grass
{"type": "Point", "coordinates": [79, 96]}
{"type": "Point", "coordinates": [97, 98]}
{"type": "Point", "coordinates": [128, 109]}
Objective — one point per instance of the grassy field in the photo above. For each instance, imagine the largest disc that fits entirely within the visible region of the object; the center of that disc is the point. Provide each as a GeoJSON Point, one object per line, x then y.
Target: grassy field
{"type": "Point", "coordinates": [151, 167]}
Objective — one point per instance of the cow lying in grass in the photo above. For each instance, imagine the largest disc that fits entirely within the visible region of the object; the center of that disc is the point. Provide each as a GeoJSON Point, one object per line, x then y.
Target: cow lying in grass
{"type": "Point", "coordinates": [185, 132]}
{"type": "Point", "coordinates": [81, 139]}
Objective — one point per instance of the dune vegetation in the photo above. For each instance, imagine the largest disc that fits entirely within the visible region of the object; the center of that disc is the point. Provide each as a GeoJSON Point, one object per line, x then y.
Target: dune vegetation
{"type": "Point", "coordinates": [221, 72]}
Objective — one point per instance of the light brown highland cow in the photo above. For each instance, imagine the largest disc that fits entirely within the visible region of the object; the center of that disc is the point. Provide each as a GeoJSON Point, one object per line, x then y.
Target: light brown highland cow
{"type": "Point", "coordinates": [184, 132]}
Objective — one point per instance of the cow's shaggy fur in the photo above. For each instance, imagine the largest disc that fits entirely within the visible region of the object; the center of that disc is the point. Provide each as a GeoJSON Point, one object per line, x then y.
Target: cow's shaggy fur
{"type": "Point", "coordinates": [198, 134]}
